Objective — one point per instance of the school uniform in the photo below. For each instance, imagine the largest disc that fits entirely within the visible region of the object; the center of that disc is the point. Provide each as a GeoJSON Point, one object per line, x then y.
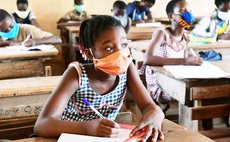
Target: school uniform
{"type": "Point", "coordinates": [25, 29]}
{"type": "Point", "coordinates": [74, 15]}
{"type": "Point", "coordinates": [26, 20]}
{"type": "Point", "coordinates": [108, 104]}
{"type": "Point", "coordinates": [169, 48]}
{"type": "Point", "coordinates": [135, 12]}
{"type": "Point", "coordinates": [210, 26]}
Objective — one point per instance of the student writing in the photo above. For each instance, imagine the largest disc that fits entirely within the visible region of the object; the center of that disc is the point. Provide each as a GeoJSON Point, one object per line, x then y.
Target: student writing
{"type": "Point", "coordinates": [168, 47]}
{"type": "Point", "coordinates": [12, 33]}
{"type": "Point", "coordinates": [103, 83]}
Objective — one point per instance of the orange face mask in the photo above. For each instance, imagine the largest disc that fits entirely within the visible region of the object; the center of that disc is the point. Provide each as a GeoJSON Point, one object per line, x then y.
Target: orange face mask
{"type": "Point", "coordinates": [114, 64]}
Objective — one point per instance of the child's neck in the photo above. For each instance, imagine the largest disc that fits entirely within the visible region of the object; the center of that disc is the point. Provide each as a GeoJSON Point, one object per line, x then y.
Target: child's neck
{"type": "Point", "coordinates": [176, 32]}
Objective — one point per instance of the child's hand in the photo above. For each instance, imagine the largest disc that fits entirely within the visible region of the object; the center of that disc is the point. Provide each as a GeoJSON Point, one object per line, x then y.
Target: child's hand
{"type": "Point", "coordinates": [102, 127]}
{"type": "Point", "coordinates": [151, 124]}
{"type": "Point", "coordinates": [193, 61]}
{"type": "Point", "coordinates": [29, 43]}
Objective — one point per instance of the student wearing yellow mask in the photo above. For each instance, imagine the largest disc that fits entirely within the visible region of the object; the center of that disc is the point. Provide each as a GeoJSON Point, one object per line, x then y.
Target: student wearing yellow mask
{"type": "Point", "coordinates": [78, 14]}
{"type": "Point", "coordinates": [24, 14]}
{"type": "Point", "coordinates": [215, 26]}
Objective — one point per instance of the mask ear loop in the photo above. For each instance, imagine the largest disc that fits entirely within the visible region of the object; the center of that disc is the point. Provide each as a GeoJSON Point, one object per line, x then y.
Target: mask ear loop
{"type": "Point", "coordinates": [94, 59]}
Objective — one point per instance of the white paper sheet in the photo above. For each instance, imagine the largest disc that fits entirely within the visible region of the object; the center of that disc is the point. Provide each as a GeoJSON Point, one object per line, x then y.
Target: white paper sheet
{"type": "Point", "coordinates": [123, 135]}
{"type": "Point", "coordinates": [23, 48]}
{"type": "Point", "coordinates": [153, 24]}
{"type": "Point", "coordinates": [206, 70]}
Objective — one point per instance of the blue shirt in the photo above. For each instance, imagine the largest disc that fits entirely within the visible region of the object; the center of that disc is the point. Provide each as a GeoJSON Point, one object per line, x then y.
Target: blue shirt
{"type": "Point", "coordinates": [135, 12]}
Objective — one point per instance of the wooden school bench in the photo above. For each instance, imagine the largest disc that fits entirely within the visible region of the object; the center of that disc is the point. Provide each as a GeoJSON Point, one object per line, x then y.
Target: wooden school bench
{"type": "Point", "coordinates": [21, 101]}
{"type": "Point", "coordinates": [18, 63]}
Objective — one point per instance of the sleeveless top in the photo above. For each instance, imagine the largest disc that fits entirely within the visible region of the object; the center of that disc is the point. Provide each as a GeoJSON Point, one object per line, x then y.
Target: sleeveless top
{"type": "Point", "coordinates": [108, 105]}
{"type": "Point", "coordinates": [24, 21]}
{"type": "Point", "coordinates": [170, 48]}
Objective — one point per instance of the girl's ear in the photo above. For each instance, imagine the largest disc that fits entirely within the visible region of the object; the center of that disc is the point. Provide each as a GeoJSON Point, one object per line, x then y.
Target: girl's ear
{"type": "Point", "coordinates": [170, 16]}
{"type": "Point", "coordinates": [88, 54]}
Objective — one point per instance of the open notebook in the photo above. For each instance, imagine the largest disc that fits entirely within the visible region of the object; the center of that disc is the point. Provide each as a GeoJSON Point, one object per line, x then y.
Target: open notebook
{"type": "Point", "coordinates": [122, 136]}
{"type": "Point", "coordinates": [153, 24]}
{"type": "Point", "coordinates": [33, 48]}
{"type": "Point", "coordinates": [206, 70]}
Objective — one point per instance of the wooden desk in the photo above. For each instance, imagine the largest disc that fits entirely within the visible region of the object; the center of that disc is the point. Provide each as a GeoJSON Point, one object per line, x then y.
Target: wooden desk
{"type": "Point", "coordinates": [179, 89]}
{"type": "Point", "coordinates": [142, 45]}
{"type": "Point", "coordinates": [173, 133]}
{"type": "Point", "coordinates": [15, 63]}
{"type": "Point", "coordinates": [140, 33]}
{"type": "Point", "coordinates": [21, 101]}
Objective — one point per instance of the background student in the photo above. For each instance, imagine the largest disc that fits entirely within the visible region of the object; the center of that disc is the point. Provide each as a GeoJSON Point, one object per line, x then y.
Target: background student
{"type": "Point", "coordinates": [168, 47]}
{"type": "Point", "coordinates": [216, 25]}
{"type": "Point", "coordinates": [119, 12]}
{"type": "Point", "coordinates": [12, 33]}
{"type": "Point", "coordinates": [103, 83]}
{"type": "Point", "coordinates": [137, 10]}
{"type": "Point", "coordinates": [24, 14]}
{"type": "Point", "coordinates": [78, 14]}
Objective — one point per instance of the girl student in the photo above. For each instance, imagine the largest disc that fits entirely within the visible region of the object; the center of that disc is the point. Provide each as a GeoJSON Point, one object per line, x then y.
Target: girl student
{"type": "Point", "coordinates": [103, 83]}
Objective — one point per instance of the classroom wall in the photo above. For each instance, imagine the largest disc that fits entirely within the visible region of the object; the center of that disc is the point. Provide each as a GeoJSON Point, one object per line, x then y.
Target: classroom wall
{"type": "Point", "coordinates": [49, 11]}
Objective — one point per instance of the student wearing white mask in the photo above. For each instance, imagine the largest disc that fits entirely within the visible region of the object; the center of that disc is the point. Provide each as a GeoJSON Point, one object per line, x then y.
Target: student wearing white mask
{"type": "Point", "coordinates": [78, 14]}
{"type": "Point", "coordinates": [119, 12]}
{"type": "Point", "coordinates": [24, 14]}
{"type": "Point", "coordinates": [215, 26]}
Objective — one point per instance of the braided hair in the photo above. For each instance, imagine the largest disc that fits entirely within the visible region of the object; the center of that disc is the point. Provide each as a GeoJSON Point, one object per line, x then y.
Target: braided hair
{"type": "Point", "coordinates": [92, 28]}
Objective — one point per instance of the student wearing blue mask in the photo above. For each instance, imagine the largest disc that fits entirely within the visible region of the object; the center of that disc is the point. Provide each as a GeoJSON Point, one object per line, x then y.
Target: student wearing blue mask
{"type": "Point", "coordinates": [168, 47]}
{"type": "Point", "coordinates": [215, 26]}
{"type": "Point", "coordinates": [12, 33]}
{"type": "Point", "coordinates": [24, 14]}
{"type": "Point", "coordinates": [119, 12]}
{"type": "Point", "coordinates": [137, 10]}
{"type": "Point", "coordinates": [78, 14]}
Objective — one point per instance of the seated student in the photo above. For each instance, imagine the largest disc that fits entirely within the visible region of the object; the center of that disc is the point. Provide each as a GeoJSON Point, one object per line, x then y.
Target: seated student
{"type": "Point", "coordinates": [103, 83]}
{"type": "Point", "coordinates": [12, 33]}
{"type": "Point", "coordinates": [137, 10]}
{"type": "Point", "coordinates": [168, 47]}
{"type": "Point", "coordinates": [119, 12]}
{"type": "Point", "coordinates": [215, 26]}
{"type": "Point", "coordinates": [24, 14]}
{"type": "Point", "coordinates": [78, 14]}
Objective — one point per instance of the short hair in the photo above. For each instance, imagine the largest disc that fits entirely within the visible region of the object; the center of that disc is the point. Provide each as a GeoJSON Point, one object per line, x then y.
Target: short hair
{"type": "Point", "coordinates": [171, 5]}
{"type": "Point", "coordinates": [3, 15]}
{"type": "Point", "coordinates": [22, 2]}
{"type": "Point", "coordinates": [219, 2]}
{"type": "Point", "coordinates": [92, 28]}
{"type": "Point", "coordinates": [119, 5]}
{"type": "Point", "coordinates": [151, 1]}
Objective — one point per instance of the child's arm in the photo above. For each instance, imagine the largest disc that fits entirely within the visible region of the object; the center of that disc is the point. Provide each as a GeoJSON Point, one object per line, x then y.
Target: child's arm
{"type": "Point", "coordinates": [49, 123]}
{"type": "Point", "coordinates": [152, 114]}
{"type": "Point", "coordinates": [153, 60]}
{"type": "Point", "coordinates": [48, 40]}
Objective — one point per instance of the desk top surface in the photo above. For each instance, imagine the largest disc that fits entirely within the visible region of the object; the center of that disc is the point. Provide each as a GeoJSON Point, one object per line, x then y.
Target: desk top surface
{"type": "Point", "coordinates": [172, 131]}
{"type": "Point", "coordinates": [11, 54]}
{"type": "Point", "coordinates": [27, 86]}
{"type": "Point", "coordinates": [142, 45]}
{"type": "Point", "coordinates": [73, 29]}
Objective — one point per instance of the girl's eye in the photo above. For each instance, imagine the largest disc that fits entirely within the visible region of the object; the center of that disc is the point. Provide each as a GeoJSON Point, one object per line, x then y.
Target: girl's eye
{"type": "Point", "coordinates": [125, 45]}
{"type": "Point", "coordinates": [109, 49]}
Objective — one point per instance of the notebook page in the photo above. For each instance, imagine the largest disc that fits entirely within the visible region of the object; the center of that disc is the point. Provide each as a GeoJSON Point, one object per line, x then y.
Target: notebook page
{"type": "Point", "coordinates": [23, 48]}
{"type": "Point", "coordinates": [206, 70]}
{"type": "Point", "coordinates": [123, 135]}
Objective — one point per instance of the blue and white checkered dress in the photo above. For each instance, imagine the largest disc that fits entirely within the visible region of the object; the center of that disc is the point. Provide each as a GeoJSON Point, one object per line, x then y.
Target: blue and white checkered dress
{"type": "Point", "coordinates": [108, 105]}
